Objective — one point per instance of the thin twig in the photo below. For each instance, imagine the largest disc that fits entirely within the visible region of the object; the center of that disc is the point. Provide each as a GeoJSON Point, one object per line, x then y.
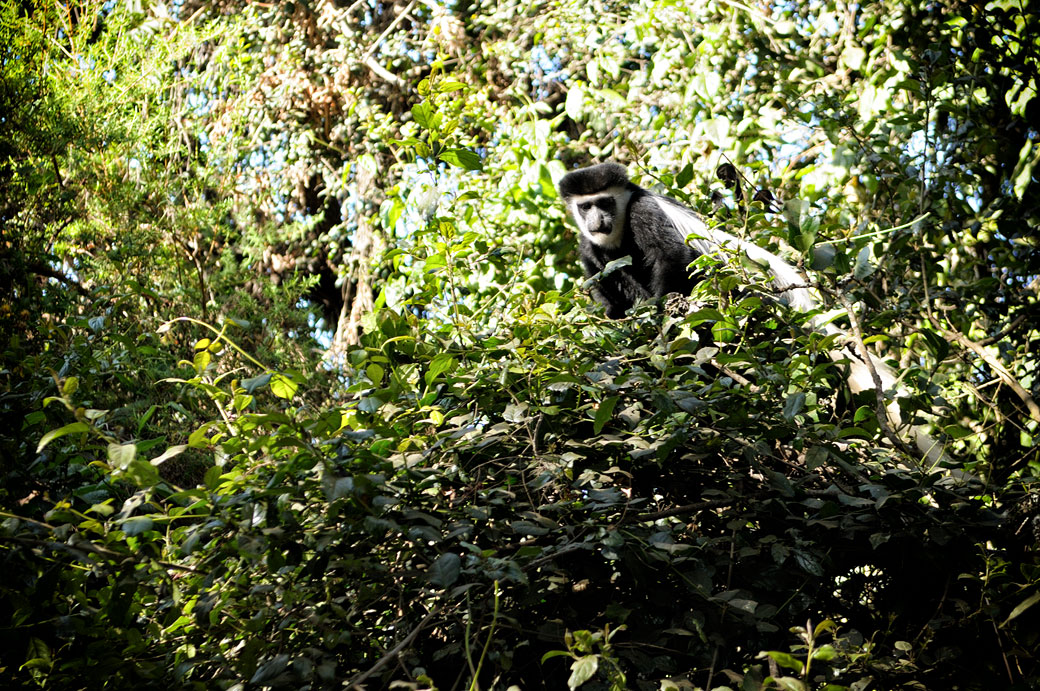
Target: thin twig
{"type": "Point", "coordinates": [386, 32]}
{"type": "Point", "coordinates": [1013, 326]}
{"type": "Point", "coordinates": [41, 269]}
{"type": "Point", "coordinates": [995, 365]}
{"type": "Point", "coordinates": [393, 652]}
{"type": "Point", "coordinates": [692, 508]}
{"type": "Point", "coordinates": [382, 72]}
{"type": "Point", "coordinates": [879, 389]}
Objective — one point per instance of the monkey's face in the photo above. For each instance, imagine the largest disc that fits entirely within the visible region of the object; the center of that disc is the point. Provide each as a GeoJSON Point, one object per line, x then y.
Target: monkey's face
{"type": "Point", "coordinates": [601, 217]}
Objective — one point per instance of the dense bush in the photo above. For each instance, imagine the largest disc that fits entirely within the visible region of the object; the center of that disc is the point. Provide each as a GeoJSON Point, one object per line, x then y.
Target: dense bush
{"type": "Point", "coordinates": [301, 387]}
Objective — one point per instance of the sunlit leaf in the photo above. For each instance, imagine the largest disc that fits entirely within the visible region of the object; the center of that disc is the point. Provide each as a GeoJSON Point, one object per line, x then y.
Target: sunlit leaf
{"type": "Point", "coordinates": [284, 386]}
{"type": "Point", "coordinates": [582, 669]}
{"type": "Point", "coordinates": [604, 412]}
{"type": "Point", "coordinates": [786, 660]}
{"type": "Point", "coordinates": [574, 106]}
{"type": "Point", "coordinates": [462, 158]}
{"type": "Point", "coordinates": [120, 455]}
{"type": "Point", "coordinates": [71, 428]}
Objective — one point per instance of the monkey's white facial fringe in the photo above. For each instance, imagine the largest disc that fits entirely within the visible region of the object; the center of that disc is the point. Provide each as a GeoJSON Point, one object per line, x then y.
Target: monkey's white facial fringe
{"type": "Point", "coordinates": [802, 297]}
{"type": "Point", "coordinates": [611, 240]}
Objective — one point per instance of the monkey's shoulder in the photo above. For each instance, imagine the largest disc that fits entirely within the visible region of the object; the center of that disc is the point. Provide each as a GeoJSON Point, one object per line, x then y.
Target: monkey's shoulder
{"type": "Point", "coordinates": [651, 227]}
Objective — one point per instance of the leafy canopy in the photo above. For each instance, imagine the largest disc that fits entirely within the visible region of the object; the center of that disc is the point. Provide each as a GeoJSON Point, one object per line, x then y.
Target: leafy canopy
{"type": "Point", "coordinates": [305, 390]}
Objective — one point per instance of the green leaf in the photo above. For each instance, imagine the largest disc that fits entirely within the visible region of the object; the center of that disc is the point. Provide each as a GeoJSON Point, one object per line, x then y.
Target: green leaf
{"type": "Point", "coordinates": [725, 331]}
{"type": "Point", "coordinates": [449, 85]}
{"type": "Point", "coordinates": [1022, 607]}
{"type": "Point", "coordinates": [939, 346]}
{"type": "Point", "coordinates": [137, 525]}
{"type": "Point", "coordinates": [283, 386]}
{"type": "Point", "coordinates": [103, 509]}
{"type": "Point", "coordinates": [198, 438]}
{"type": "Point", "coordinates": [254, 384]}
{"type": "Point", "coordinates": [202, 360]}
{"type": "Point", "coordinates": [582, 669]}
{"type": "Point", "coordinates": [705, 315]}
{"type": "Point", "coordinates": [38, 655]}
{"type": "Point", "coordinates": [825, 652]}
{"type": "Point", "coordinates": [825, 626]}
{"type": "Point", "coordinates": [445, 570]}
{"type": "Point", "coordinates": [823, 256]}
{"type": "Point", "coordinates": [785, 660]}
{"type": "Point", "coordinates": [71, 428]}
{"type": "Point", "coordinates": [421, 113]}
{"type": "Point", "coordinates": [143, 420]}
{"type": "Point", "coordinates": [1024, 170]}
{"type": "Point", "coordinates": [796, 211]}
{"type": "Point", "coordinates": [816, 456]}
{"type": "Point", "coordinates": [212, 477]}
{"type": "Point", "coordinates": [793, 404]}
{"type": "Point", "coordinates": [864, 412]}
{"type": "Point", "coordinates": [390, 212]}
{"type": "Point", "coordinates": [270, 669]}
{"type": "Point", "coordinates": [35, 418]}
{"type": "Point", "coordinates": [461, 158]}
{"type": "Point", "coordinates": [615, 265]}
{"type": "Point", "coordinates": [957, 431]}
{"type": "Point", "coordinates": [169, 453]}
{"type": "Point", "coordinates": [516, 412]}
{"type": "Point", "coordinates": [864, 266]}
{"type": "Point", "coordinates": [142, 474]}
{"type": "Point", "coordinates": [685, 176]}
{"type": "Point", "coordinates": [121, 455]}
{"type": "Point", "coordinates": [604, 412]}
{"type": "Point", "coordinates": [554, 653]}
{"type": "Point", "coordinates": [440, 364]}
{"type": "Point", "coordinates": [790, 684]}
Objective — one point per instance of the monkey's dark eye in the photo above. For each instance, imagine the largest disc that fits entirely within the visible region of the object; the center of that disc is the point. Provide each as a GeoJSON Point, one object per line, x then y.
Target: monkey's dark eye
{"type": "Point", "coordinates": [584, 206]}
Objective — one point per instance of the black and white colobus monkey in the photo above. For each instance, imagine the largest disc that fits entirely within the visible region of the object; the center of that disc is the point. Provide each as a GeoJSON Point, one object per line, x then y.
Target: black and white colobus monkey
{"type": "Point", "coordinates": [616, 217]}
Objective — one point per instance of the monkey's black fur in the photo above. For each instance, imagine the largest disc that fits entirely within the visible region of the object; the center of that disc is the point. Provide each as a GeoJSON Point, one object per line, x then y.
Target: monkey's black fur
{"type": "Point", "coordinates": [593, 179]}
{"type": "Point", "coordinates": [598, 198]}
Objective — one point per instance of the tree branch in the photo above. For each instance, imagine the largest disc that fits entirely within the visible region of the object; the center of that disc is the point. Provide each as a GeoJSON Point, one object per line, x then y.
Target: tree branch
{"type": "Point", "coordinates": [41, 269]}
{"type": "Point", "coordinates": [393, 652]}
{"type": "Point", "coordinates": [879, 389]}
{"type": "Point", "coordinates": [994, 364]}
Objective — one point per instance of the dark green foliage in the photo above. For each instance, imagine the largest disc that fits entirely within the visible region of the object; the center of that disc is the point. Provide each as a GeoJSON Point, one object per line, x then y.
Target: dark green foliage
{"type": "Point", "coordinates": [300, 388]}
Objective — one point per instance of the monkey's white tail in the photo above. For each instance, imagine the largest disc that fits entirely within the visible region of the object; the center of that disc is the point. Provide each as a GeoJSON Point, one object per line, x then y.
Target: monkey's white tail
{"type": "Point", "coordinates": [802, 297]}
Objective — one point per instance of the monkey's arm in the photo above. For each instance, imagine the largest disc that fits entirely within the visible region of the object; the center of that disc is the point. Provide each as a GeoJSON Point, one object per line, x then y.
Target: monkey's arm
{"type": "Point", "coordinates": [611, 299]}
{"type": "Point", "coordinates": [669, 272]}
